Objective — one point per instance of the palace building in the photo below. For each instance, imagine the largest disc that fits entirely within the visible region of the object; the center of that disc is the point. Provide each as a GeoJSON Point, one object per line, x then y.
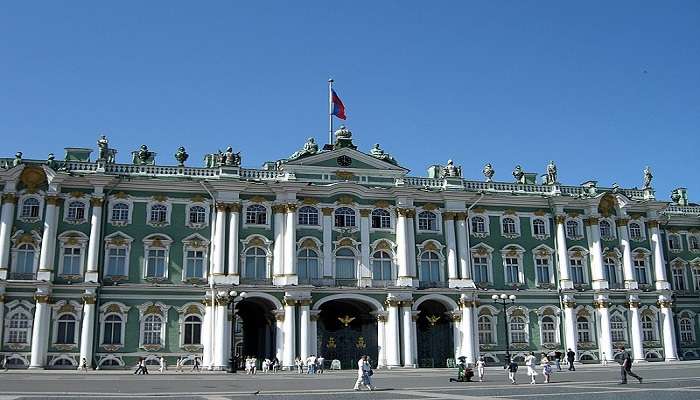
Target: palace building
{"type": "Point", "coordinates": [338, 253]}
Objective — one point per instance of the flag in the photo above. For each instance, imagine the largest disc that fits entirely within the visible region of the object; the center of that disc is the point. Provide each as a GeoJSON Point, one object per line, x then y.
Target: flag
{"type": "Point", "coordinates": [338, 107]}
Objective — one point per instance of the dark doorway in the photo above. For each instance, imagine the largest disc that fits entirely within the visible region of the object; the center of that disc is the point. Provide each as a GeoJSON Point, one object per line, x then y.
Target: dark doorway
{"type": "Point", "coordinates": [346, 331]}
{"type": "Point", "coordinates": [258, 328]}
{"type": "Point", "coordinates": [435, 335]}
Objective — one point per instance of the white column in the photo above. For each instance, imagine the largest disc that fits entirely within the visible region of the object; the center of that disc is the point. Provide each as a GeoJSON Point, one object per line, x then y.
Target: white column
{"type": "Point", "coordinates": [279, 335]}
{"type": "Point", "coordinates": [93, 255]}
{"type": "Point", "coordinates": [393, 357]}
{"type": "Point", "coordinates": [219, 245]}
{"type": "Point", "coordinates": [562, 254]}
{"type": "Point", "coordinates": [668, 329]}
{"type": "Point", "coordinates": [221, 339]}
{"type": "Point", "coordinates": [462, 249]}
{"type": "Point", "coordinates": [87, 328]}
{"type": "Point", "coordinates": [627, 270]}
{"type": "Point", "coordinates": [451, 243]}
{"type": "Point", "coordinates": [411, 236]}
{"type": "Point", "coordinates": [2, 315]}
{"type": "Point", "coordinates": [636, 330]}
{"type": "Point", "coordinates": [278, 251]}
{"type": "Point", "coordinates": [290, 246]}
{"type": "Point", "coordinates": [659, 262]}
{"type": "Point", "coordinates": [407, 334]}
{"type": "Point", "coordinates": [289, 348]}
{"type": "Point", "coordinates": [207, 339]}
{"type": "Point", "coordinates": [402, 248]}
{"type": "Point", "coordinates": [468, 340]}
{"type": "Point", "coordinates": [475, 329]}
{"type": "Point", "coordinates": [596, 251]}
{"type": "Point", "coordinates": [40, 330]}
{"type": "Point", "coordinates": [457, 335]}
{"type": "Point", "coordinates": [365, 267]}
{"type": "Point", "coordinates": [570, 337]}
{"type": "Point", "coordinates": [414, 337]}
{"type": "Point", "coordinates": [601, 305]}
{"type": "Point", "coordinates": [313, 333]}
{"type": "Point", "coordinates": [234, 217]}
{"type": "Point", "coordinates": [48, 240]}
{"type": "Point", "coordinates": [381, 339]}
{"type": "Point", "coordinates": [327, 242]}
{"type": "Point", "coordinates": [304, 329]}
{"type": "Point", "coordinates": [7, 217]}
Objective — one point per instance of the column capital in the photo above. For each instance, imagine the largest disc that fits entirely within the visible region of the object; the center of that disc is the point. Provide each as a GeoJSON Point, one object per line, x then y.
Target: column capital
{"type": "Point", "coordinates": [364, 212]}
{"type": "Point", "coordinates": [461, 215]}
{"type": "Point", "coordinates": [622, 221]}
{"type": "Point", "coordinates": [9, 198]}
{"type": "Point", "coordinates": [601, 303]}
{"type": "Point", "coordinates": [560, 218]}
{"type": "Point", "coordinates": [53, 200]}
{"type": "Point", "coordinates": [279, 208]}
{"type": "Point", "coordinates": [291, 207]}
{"type": "Point", "coordinates": [235, 207]}
{"type": "Point", "coordinates": [304, 302]}
{"type": "Point", "coordinates": [402, 211]}
{"type": "Point", "coordinates": [207, 301]}
{"type": "Point", "coordinates": [89, 299]}
{"type": "Point", "coordinates": [664, 303]}
{"type": "Point", "coordinates": [328, 211]}
{"type": "Point", "coordinates": [2, 298]}
{"type": "Point", "coordinates": [448, 215]}
{"type": "Point", "coordinates": [392, 302]}
{"type": "Point", "coordinates": [221, 207]}
{"type": "Point", "coordinates": [569, 303]}
{"type": "Point", "coordinates": [590, 221]}
{"type": "Point", "coordinates": [97, 201]}
{"type": "Point", "coordinates": [652, 223]}
{"type": "Point", "coordinates": [633, 304]}
{"type": "Point", "coordinates": [288, 301]}
{"type": "Point", "coordinates": [42, 298]}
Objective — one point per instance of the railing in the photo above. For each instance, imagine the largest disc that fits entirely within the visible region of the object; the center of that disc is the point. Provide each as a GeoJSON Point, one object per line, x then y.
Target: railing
{"type": "Point", "coordinates": [432, 284]}
{"type": "Point", "coordinates": [261, 174]}
{"type": "Point", "coordinates": [256, 281]}
{"type": "Point", "coordinates": [22, 276]}
{"type": "Point", "coordinates": [346, 282]}
{"type": "Point", "coordinates": [424, 182]}
{"type": "Point", "coordinates": [676, 209]}
{"type": "Point", "coordinates": [383, 283]}
{"type": "Point", "coordinates": [316, 282]}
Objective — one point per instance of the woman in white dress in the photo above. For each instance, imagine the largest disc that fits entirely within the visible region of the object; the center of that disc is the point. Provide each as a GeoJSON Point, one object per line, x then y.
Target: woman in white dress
{"type": "Point", "coordinates": [530, 364]}
{"type": "Point", "coordinates": [480, 364]}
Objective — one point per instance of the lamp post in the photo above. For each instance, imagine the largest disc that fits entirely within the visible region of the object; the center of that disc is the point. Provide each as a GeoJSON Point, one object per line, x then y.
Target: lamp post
{"type": "Point", "coordinates": [503, 299]}
{"type": "Point", "coordinates": [233, 363]}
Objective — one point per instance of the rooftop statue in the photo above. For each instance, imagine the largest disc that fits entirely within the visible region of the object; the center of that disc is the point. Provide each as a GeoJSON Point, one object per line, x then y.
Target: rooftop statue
{"type": "Point", "coordinates": [18, 159]}
{"type": "Point", "coordinates": [181, 156]}
{"type": "Point", "coordinates": [451, 170]}
{"type": "Point", "coordinates": [489, 172]}
{"type": "Point", "coordinates": [343, 138]}
{"type": "Point", "coordinates": [647, 178]}
{"type": "Point", "coordinates": [51, 161]}
{"type": "Point", "coordinates": [143, 156]}
{"type": "Point", "coordinates": [310, 148]}
{"type": "Point", "coordinates": [378, 153]}
{"type": "Point", "coordinates": [519, 174]}
{"type": "Point", "coordinates": [551, 177]}
{"type": "Point", "coordinates": [104, 153]}
{"type": "Point", "coordinates": [227, 158]}
{"type": "Point", "coordinates": [343, 133]}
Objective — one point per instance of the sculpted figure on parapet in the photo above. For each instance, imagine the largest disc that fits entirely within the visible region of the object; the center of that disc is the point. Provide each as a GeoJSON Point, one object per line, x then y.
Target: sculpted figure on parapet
{"type": "Point", "coordinates": [227, 158]}
{"type": "Point", "coordinates": [380, 154]}
{"type": "Point", "coordinates": [489, 172]}
{"type": "Point", "coordinates": [647, 178]}
{"type": "Point", "coordinates": [551, 177]}
{"type": "Point", "coordinates": [519, 174]}
{"type": "Point", "coordinates": [310, 148]}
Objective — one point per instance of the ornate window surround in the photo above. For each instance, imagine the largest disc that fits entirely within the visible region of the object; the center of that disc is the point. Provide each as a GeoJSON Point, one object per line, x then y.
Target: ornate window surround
{"type": "Point", "coordinates": [186, 310]}
{"type": "Point", "coordinates": [491, 313]}
{"type": "Point", "coordinates": [319, 215]}
{"type": "Point", "coordinates": [66, 307]}
{"type": "Point", "coordinates": [74, 239]}
{"type": "Point", "coordinates": [587, 312]}
{"type": "Point", "coordinates": [544, 252]}
{"type": "Point", "coordinates": [579, 228]}
{"type": "Point", "coordinates": [695, 235]}
{"type": "Point", "coordinates": [620, 312]}
{"type": "Point", "coordinates": [161, 201]}
{"type": "Point", "coordinates": [113, 308]}
{"type": "Point", "coordinates": [262, 242]}
{"type": "Point", "coordinates": [312, 243]}
{"type": "Point", "coordinates": [24, 195]}
{"type": "Point", "coordinates": [518, 252]}
{"type": "Point", "coordinates": [156, 241]}
{"type": "Point", "coordinates": [431, 245]}
{"type": "Point", "coordinates": [117, 240]}
{"type": "Point", "coordinates": [642, 230]}
{"type": "Point", "coordinates": [195, 242]}
{"type": "Point", "coordinates": [578, 252]}
{"type": "Point", "coordinates": [19, 238]}
{"type": "Point", "coordinates": [437, 212]}
{"type": "Point", "coordinates": [86, 209]}
{"type": "Point", "coordinates": [679, 264]}
{"type": "Point", "coordinates": [392, 220]}
{"type": "Point", "coordinates": [204, 204]}
{"type": "Point", "coordinates": [516, 219]}
{"type": "Point", "coordinates": [522, 312]}
{"type": "Point", "coordinates": [547, 230]}
{"type": "Point", "coordinates": [153, 308]}
{"type": "Point", "coordinates": [268, 214]}
{"type": "Point", "coordinates": [690, 316]}
{"type": "Point", "coordinates": [486, 251]}
{"type": "Point", "coordinates": [387, 246]}
{"type": "Point", "coordinates": [120, 199]}
{"type": "Point", "coordinates": [695, 273]}
{"type": "Point", "coordinates": [555, 313]}
{"type": "Point", "coordinates": [615, 255]}
{"type": "Point", "coordinates": [653, 313]}
{"type": "Point", "coordinates": [349, 244]}
{"type": "Point", "coordinates": [14, 307]}
{"type": "Point", "coordinates": [487, 228]}
{"type": "Point", "coordinates": [678, 236]}
{"type": "Point", "coordinates": [613, 229]}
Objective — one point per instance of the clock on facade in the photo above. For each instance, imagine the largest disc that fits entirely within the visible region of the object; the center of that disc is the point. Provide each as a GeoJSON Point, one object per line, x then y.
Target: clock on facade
{"type": "Point", "coordinates": [344, 161]}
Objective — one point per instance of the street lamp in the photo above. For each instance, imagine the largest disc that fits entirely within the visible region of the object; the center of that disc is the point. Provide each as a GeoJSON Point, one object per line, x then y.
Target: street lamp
{"type": "Point", "coordinates": [503, 299]}
{"type": "Point", "coordinates": [233, 363]}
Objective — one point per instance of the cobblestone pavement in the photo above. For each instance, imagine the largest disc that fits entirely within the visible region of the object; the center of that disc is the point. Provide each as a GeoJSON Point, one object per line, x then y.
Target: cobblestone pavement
{"type": "Point", "coordinates": [679, 381]}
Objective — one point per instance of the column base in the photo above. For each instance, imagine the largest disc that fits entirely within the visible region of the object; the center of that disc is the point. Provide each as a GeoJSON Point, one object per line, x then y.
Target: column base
{"type": "Point", "coordinates": [225, 279]}
{"type": "Point", "coordinates": [36, 367]}
{"type": "Point", "coordinates": [3, 274]}
{"type": "Point", "coordinates": [566, 284]}
{"type": "Point", "coordinates": [285, 280]}
{"type": "Point", "coordinates": [365, 282]}
{"type": "Point", "coordinates": [393, 366]}
{"type": "Point", "coordinates": [235, 279]}
{"type": "Point", "coordinates": [631, 285]}
{"type": "Point", "coordinates": [662, 285]}
{"type": "Point", "coordinates": [411, 366]}
{"type": "Point", "coordinates": [462, 283]}
{"type": "Point", "coordinates": [92, 277]}
{"type": "Point", "coordinates": [45, 276]}
{"type": "Point", "coordinates": [600, 285]}
{"type": "Point", "coordinates": [405, 281]}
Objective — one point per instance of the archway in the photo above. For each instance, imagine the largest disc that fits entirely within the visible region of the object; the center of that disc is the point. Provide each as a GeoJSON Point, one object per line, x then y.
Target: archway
{"type": "Point", "coordinates": [347, 330]}
{"type": "Point", "coordinates": [256, 330]}
{"type": "Point", "coordinates": [435, 335]}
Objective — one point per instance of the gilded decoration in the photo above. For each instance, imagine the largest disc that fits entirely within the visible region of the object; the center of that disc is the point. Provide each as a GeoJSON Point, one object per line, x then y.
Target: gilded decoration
{"type": "Point", "coordinates": [479, 210]}
{"type": "Point", "coordinates": [53, 200]}
{"type": "Point", "coordinates": [327, 211]}
{"type": "Point", "coordinates": [622, 221]}
{"type": "Point", "coordinates": [509, 212]}
{"type": "Point", "coordinates": [361, 344]}
{"type": "Point", "coordinates": [2, 298]}
{"type": "Point", "coordinates": [76, 195]}
{"type": "Point", "coordinates": [308, 244]}
{"type": "Point", "coordinates": [121, 195]}
{"type": "Point", "coordinates": [198, 198]}
{"type": "Point", "coordinates": [25, 238]}
{"type": "Point", "coordinates": [96, 201]}
{"type": "Point", "coordinates": [9, 198]}
{"type": "Point", "coordinates": [345, 242]}
{"type": "Point", "coordinates": [221, 207]}
{"type": "Point", "coordinates": [257, 199]}
{"type": "Point", "coordinates": [331, 343]}
{"type": "Point", "coordinates": [540, 213]}
{"type": "Point", "coordinates": [664, 303]}
{"type": "Point", "coordinates": [583, 313]}
{"type": "Point", "coordinates": [346, 320]}
{"type": "Point", "coordinates": [429, 207]}
{"type": "Point", "coordinates": [653, 224]}
{"type": "Point", "coordinates": [256, 241]}
{"type": "Point", "coordinates": [569, 303]}
{"type": "Point", "coordinates": [32, 177]}
{"type": "Point", "coordinates": [66, 308]}
{"type": "Point", "coordinates": [461, 216]}
{"type": "Point", "coordinates": [113, 308]}
{"type": "Point", "coordinates": [448, 216]}
{"type": "Point", "coordinates": [235, 207]}
{"type": "Point", "coordinates": [345, 200]}
{"type": "Point", "coordinates": [291, 207]}
{"type": "Point", "coordinates": [310, 201]}
{"type": "Point", "coordinates": [430, 246]}
{"type": "Point", "coordinates": [382, 204]}
{"type": "Point", "coordinates": [383, 245]}
{"type": "Point", "coordinates": [41, 298]}
{"type": "Point", "coordinates": [278, 208]}
{"type": "Point", "coordinates": [365, 212]}
{"type": "Point", "coordinates": [481, 251]}
{"type": "Point", "coordinates": [633, 304]}
{"type": "Point", "coordinates": [601, 304]}
{"type": "Point", "coordinates": [607, 204]}
{"type": "Point", "coordinates": [590, 221]}
{"type": "Point", "coordinates": [543, 252]}
{"type": "Point", "coordinates": [560, 219]}
{"type": "Point", "coordinates": [153, 309]}
{"type": "Point", "coordinates": [160, 198]}
{"type": "Point", "coordinates": [518, 312]}
{"type": "Point", "coordinates": [344, 175]}
{"type": "Point", "coordinates": [89, 299]}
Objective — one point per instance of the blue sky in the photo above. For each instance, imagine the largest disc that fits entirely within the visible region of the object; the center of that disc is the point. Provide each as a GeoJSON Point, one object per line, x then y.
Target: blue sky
{"type": "Point", "coordinates": [603, 88]}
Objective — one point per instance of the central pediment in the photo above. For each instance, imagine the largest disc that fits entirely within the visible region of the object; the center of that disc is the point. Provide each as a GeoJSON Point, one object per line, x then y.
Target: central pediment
{"type": "Point", "coordinates": [346, 159]}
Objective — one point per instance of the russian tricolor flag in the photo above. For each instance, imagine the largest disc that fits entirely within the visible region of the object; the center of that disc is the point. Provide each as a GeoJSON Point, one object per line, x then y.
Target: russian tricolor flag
{"type": "Point", "coordinates": [338, 106]}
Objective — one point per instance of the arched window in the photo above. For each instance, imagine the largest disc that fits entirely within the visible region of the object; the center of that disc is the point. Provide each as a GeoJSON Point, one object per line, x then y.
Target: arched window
{"type": "Point", "coordinates": [427, 221]}
{"type": "Point", "coordinates": [255, 263]}
{"type": "Point", "coordinates": [18, 329]}
{"type": "Point", "coordinates": [518, 334]}
{"type": "Point", "coordinates": [429, 267]}
{"type": "Point", "coordinates": [307, 261]}
{"type": "Point", "coordinates": [549, 330]}
{"type": "Point", "coordinates": [509, 227]}
{"type": "Point", "coordinates": [381, 219]}
{"type": "Point", "coordinates": [693, 243]}
{"type": "Point", "coordinates": [152, 326]}
{"type": "Point", "coordinates": [76, 211]}
{"type": "Point", "coordinates": [62, 362]}
{"type": "Point", "coordinates": [71, 260]}
{"type": "Point", "coordinates": [30, 208]}
{"type": "Point", "coordinates": [617, 329]}
{"type": "Point", "coordinates": [159, 213]}
{"type": "Point", "coordinates": [686, 330]}
{"type": "Point", "coordinates": [256, 214]}
{"type": "Point", "coordinates": [605, 229]}
{"type": "Point", "coordinates": [345, 264]}
{"type": "Point", "coordinates": [112, 330]}
{"type": "Point", "coordinates": [538, 227]}
{"type": "Point", "coordinates": [344, 217]}
{"type": "Point", "coordinates": [120, 212]}
{"type": "Point", "coordinates": [65, 329]}
{"type": "Point", "coordinates": [193, 330]}
{"type": "Point", "coordinates": [198, 215]}
{"type": "Point", "coordinates": [610, 270]}
{"type": "Point", "coordinates": [485, 326]}
{"type": "Point", "coordinates": [512, 266]}
{"type": "Point", "coordinates": [381, 266]}
{"type": "Point", "coordinates": [478, 225]}
{"type": "Point", "coordinates": [25, 255]}
{"type": "Point", "coordinates": [308, 216]}
{"type": "Point", "coordinates": [583, 330]}
{"type": "Point", "coordinates": [635, 231]}
{"type": "Point", "coordinates": [194, 263]}
{"type": "Point", "coordinates": [110, 362]}
{"type": "Point", "coordinates": [542, 268]}
{"type": "Point", "coordinates": [648, 331]}
{"type": "Point", "coordinates": [572, 229]}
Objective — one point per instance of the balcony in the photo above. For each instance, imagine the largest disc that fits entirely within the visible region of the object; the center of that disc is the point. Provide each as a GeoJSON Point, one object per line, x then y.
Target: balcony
{"type": "Point", "coordinates": [432, 284]}
{"type": "Point", "coordinates": [318, 282]}
{"type": "Point", "coordinates": [256, 281]}
{"type": "Point", "coordinates": [22, 276]}
{"type": "Point", "coordinates": [346, 282]}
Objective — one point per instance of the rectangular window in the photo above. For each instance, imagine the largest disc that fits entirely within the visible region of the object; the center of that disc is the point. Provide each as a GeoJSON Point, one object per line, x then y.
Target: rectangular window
{"type": "Point", "coordinates": [640, 272]}
{"type": "Point", "coordinates": [194, 264]}
{"type": "Point", "coordinates": [116, 262]}
{"type": "Point", "coordinates": [71, 261]}
{"type": "Point", "coordinates": [576, 265]}
{"type": "Point", "coordinates": [542, 265]}
{"type": "Point", "coordinates": [481, 270]}
{"type": "Point", "coordinates": [155, 264]}
{"type": "Point", "coordinates": [678, 279]}
{"type": "Point", "coordinates": [512, 270]}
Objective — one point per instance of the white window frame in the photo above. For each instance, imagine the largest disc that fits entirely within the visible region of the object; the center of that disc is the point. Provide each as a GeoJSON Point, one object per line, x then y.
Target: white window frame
{"type": "Point", "coordinates": [642, 254]}
{"type": "Point", "coordinates": [696, 236]}
{"type": "Point", "coordinates": [590, 330]}
{"type": "Point", "coordinates": [72, 239]}
{"type": "Point", "coordinates": [106, 310]}
{"type": "Point", "coordinates": [579, 228]}
{"type": "Point", "coordinates": [579, 253]}
{"type": "Point", "coordinates": [436, 247]}
{"type": "Point", "coordinates": [625, 336]}
{"type": "Point", "coordinates": [256, 241]}
{"type": "Point", "coordinates": [485, 251]}
{"type": "Point", "coordinates": [319, 217]}
{"type": "Point", "coordinates": [168, 212]}
{"type": "Point", "coordinates": [114, 200]}
{"type": "Point", "coordinates": [438, 221]}
{"type": "Point", "coordinates": [617, 263]}
{"type": "Point", "coordinates": [613, 229]}
{"type": "Point", "coordinates": [654, 323]}
{"type": "Point", "coordinates": [485, 218]}
{"type": "Point", "coordinates": [642, 231]}
{"type": "Point", "coordinates": [20, 206]}
{"type": "Point", "coordinates": [319, 261]}
{"type": "Point", "coordinates": [545, 222]}
{"type": "Point", "coordinates": [59, 310]}
{"type": "Point", "coordinates": [195, 242]}
{"type": "Point", "coordinates": [516, 220]}
{"type": "Point", "coordinates": [13, 307]}
{"type": "Point", "coordinates": [695, 272]}
{"type": "Point", "coordinates": [391, 259]}
{"type": "Point", "coordinates": [184, 312]}
{"type": "Point", "coordinates": [526, 320]}
{"type": "Point", "coordinates": [117, 240]}
{"type": "Point", "coordinates": [668, 242]}
{"type": "Point", "coordinates": [197, 225]}
{"type": "Point", "coordinates": [143, 314]}
{"type": "Point", "coordinates": [86, 210]}
{"type": "Point", "coordinates": [690, 317]}
{"type": "Point", "coordinates": [678, 265]}
{"type": "Point", "coordinates": [244, 216]}
{"type": "Point", "coordinates": [517, 252]}
{"type": "Point", "coordinates": [156, 241]}
{"type": "Point", "coordinates": [17, 241]}
{"type": "Point", "coordinates": [389, 216]}
{"type": "Point", "coordinates": [355, 218]}
{"type": "Point", "coordinates": [491, 313]}
{"type": "Point", "coordinates": [546, 253]}
{"type": "Point", "coordinates": [554, 313]}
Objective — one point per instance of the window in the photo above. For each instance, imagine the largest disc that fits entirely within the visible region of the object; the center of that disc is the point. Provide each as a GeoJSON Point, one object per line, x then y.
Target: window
{"type": "Point", "coordinates": [640, 271]}
{"type": "Point", "coordinates": [194, 264]}
{"type": "Point", "coordinates": [549, 330]}
{"type": "Point", "coordinates": [693, 243]}
{"type": "Point", "coordinates": [25, 255]}
{"type": "Point", "coordinates": [381, 219]}
{"type": "Point", "coordinates": [159, 214]}
{"type": "Point", "coordinates": [478, 225]}
{"type": "Point", "coordinates": [518, 334]}
{"type": "Point", "coordinates": [120, 212]}
{"type": "Point", "coordinates": [605, 229]}
{"type": "Point", "coordinates": [512, 270]}
{"type": "Point", "coordinates": [345, 264]}
{"type": "Point", "coordinates": [648, 332]}
{"type": "Point", "coordinates": [65, 329]}
{"type": "Point", "coordinates": [116, 261]}
{"type": "Point", "coordinates": [381, 266]}
{"type": "Point", "coordinates": [256, 214]}
{"type": "Point", "coordinates": [193, 330]}
{"type": "Point", "coordinates": [307, 260]}
{"type": "Point", "coordinates": [197, 215]}
{"type": "Point", "coordinates": [112, 333]}
{"type": "Point", "coordinates": [678, 277]}
{"type": "Point", "coordinates": [344, 217]}
{"type": "Point", "coordinates": [429, 267]}
{"type": "Point", "coordinates": [610, 270]}
{"type": "Point", "coordinates": [617, 329]}
{"type": "Point", "coordinates": [427, 221]}
{"type": "Point", "coordinates": [308, 216]}
{"type": "Point", "coordinates": [635, 231]}
{"type": "Point", "coordinates": [255, 263]}
{"type": "Point", "coordinates": [71, 261]}
{"type": "Point", "coordinates": [674, 242]}
{"type": "Point", "coordinates": [696, 275]}
{"type": "Point", "coordinates": [576, 265]}
{"type": "Point", "coordinates": [30, 208]}
{"type": "Point", "coordinates": [156, 263]}
{"type": "Point", "coordinates": [485, 327]}
{"type": "Point", "coordinates": [151, 329]}
{"type": "Point", "coordinates": [583, 330]}
{"type": "Point", "coordinates": [481, 269]}
{"type": "Point", "coordinates": [538, 227]}
{"type": "Point", "coordinates": [686, 330]}
{"type": "Point", "coordinates": [76, 211]}
{"type": "Point", "coordinates": [542, 266]}
{"type": "Point", "coordinates": [18, 329]}
{"type": "Point", "coordinates": [572, 229]}
{"type": "Point", "coordinates": [509, 227]}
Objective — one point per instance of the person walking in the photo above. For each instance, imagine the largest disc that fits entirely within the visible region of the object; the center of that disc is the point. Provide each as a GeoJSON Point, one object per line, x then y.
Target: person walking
{"type": "Point", "coordinates": [178, 364]}
{"type": "Point", "coordinates": [83, 365]}
{"type": "Point", "coordinates": [195, 364]}
{"type": "Point", "coordinates": [320, 360]}
{"type": "Point", "coordinates": [557, 359]}
{"type": "Point", "coordinates": [275, 365]}
{"type": "Point", "coordinates": [364, 373]}
{"type": "Point", "coordinates": [480, 368]}
{"type": "Point", "coordinates": [604, 361]}
{"type": "Point", "coordinates": [530, 364]}
{"type": "Point", "coordinates": [163, 365]}
{"type": "Point", "coordinates": [300, 365]}
{"type": "Point", "coordinates": [311, 365]}
{"type": "Point", "coordinates": [139, 368]}
{"type": "Point", "coordinates": [546, 368]}
{"type": "Point", "coordinates": [570, 358]}
{"type": "Point", "coordinates": [144, 367]}
{"type": "Point", "coordinates": [512, 369]}
{"type": "Point", "coordinates": [626, 367]}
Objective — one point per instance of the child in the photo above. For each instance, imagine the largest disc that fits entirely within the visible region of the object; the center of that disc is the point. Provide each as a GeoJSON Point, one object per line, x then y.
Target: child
{"type": "Point", "coordinates": [546, 368]}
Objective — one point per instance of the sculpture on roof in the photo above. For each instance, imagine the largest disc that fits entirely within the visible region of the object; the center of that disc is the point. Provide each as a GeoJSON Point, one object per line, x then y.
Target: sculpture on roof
{"type": "Point", "coordinates": [181, 156]}
{"type": "Point", "coordinates": [104, 153]}
{"type": "Point", "coordinates": [143, 156]}
{"type": "Point", "coordinates": [489, 172]}
{"type": "Point", "coordinates": [551, 177]}
{"type": "Point", "coordinates": [219, 159]}
{"type": "Point", "coordinates": [519, 174]}
{"type": "Point", "coordinates": [647, 177]}
{"type": "Point", "coordinates": [451, 170]}
{"type": "Point", "coordinates": [18, 159]}
{"type": "Point", "coordinates": [310, 148]}
{"type": "Point", "coordinates": [343, 138]}
{"type": "Point", "coordinates": [380, 154]}
{"type": "Point", "coordinates": [51, 161]}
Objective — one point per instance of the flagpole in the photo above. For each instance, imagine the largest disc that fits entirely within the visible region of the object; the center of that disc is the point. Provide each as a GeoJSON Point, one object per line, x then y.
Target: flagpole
{"type": "Point", "coordinates": [330, 111]}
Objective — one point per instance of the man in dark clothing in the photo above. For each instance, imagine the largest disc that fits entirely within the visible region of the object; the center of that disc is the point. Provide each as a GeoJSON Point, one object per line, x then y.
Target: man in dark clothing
{"type": "Point", "coordinates": [626, 367]}
{"type": "Point", "coordinates": [570, 358]}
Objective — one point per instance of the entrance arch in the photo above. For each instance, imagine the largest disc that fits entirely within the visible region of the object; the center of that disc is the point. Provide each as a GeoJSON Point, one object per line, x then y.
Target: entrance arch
{"type": "Point", "coordinates": [435, 334]}
{"type": "Point", "coordinates": [258, 332]}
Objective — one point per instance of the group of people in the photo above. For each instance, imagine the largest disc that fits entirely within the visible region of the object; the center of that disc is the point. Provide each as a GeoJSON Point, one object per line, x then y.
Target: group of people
{"type": "Point", "coordinates": [313, 364]}
{"type": "Point", "coordinates": [267, 365]}
{"type": "Point", "coordinates": [364, 374]}
{"type": "Point", "coordinates": [142, 366]}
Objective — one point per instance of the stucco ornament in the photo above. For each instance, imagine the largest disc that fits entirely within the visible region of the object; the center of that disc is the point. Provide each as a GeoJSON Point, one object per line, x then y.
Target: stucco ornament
{"type": "Point", "coordinates": [181, 156]}
{"type": "Point", "coordinates": [489, 172]}
{"type": "Point", "coordinates": [18, 159]}
{"type": "Point", "coordinates": [451, 170]}
{"type": "Point", "coordinates": [551, 177]}
{"type": "Point", "coordinates": [519, 174]}
{"type": "Point", "coordinates": [647, 177]}
{"type": "Point", "coordinates": [380, 154]}
{"type": "Point", "coordinates": [310, 148]}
